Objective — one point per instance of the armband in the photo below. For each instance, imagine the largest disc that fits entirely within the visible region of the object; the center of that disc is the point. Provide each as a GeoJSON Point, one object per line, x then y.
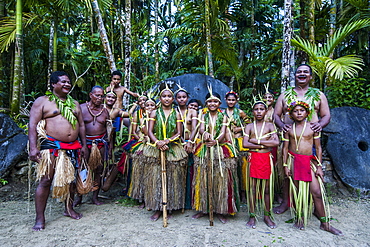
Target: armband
{"type": "Point", "coordinates": [180, 120]}
{"type": "Point", "coordinates": [151, 119]}
{"type": "Point", "coordinates": [155, 143]}
{"type": "Point", "coordinates": [134, 122]}
{"type": "Point", "coordinates": [285, 165]}
{"type": "Point", "coordinates": [284, 140]}
{"type": "Point", "coordinates": [317, 137]}
{"type": "Point", "coordinates": [224, 124]}
{"type": "Point", "coordinates": [194, 118]}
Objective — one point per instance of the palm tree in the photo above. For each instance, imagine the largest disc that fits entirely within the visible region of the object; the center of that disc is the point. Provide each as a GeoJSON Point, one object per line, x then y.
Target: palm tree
{"type": "Point", "coordinates": [320, 56]}
{"type": "Point", "coordinates": [103, 35]}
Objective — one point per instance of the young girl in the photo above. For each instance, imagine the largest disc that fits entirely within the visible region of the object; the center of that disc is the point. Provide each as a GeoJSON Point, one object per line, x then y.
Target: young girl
{"type": "Point", "coordinates": [237, 120]}
{"type": "Point", "coordinates": [214, 158]}
{"type": "Point", "coordinates": [164, 131]}
{"type": "Point", "coordinates": [140, 122]}
{"type": "Point", "coordinates": [189, 121]}
{"type": "Point", "coordinates": [259, 137]}
{"type": "Point", "coordinates": [304, 170]}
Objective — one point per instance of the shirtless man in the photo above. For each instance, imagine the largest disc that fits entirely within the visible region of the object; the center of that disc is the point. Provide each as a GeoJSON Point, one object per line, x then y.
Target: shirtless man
{"type": "Point", "coordinates": [95, 117]}
{"type": "Point", "coordinates": [62, 125]}
{"type": "Point", "coordinates": [116, 87]}
{"type": "Point", "coordinates": [314, 98]}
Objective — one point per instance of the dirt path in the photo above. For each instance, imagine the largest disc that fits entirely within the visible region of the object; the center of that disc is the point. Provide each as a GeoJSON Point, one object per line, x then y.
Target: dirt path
{"type": "Point", "coordinates": [112, 224]}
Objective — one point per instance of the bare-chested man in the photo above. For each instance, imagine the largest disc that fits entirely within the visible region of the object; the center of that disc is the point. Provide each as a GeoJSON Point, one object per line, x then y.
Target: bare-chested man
{"type": "Point", "coordinates": [115, 86]}
{"type": "Point", "coordinates": [60, 123]}
{"type": "Point", "coordinates": [315, 98]}
{"type": "Point", "coordinates": [95, 117]}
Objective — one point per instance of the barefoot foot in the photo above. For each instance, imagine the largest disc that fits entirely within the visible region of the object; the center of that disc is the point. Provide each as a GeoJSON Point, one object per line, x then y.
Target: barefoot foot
{"type": "Point", "coordinates": [299, 226]}
{"type": "Point", "coordinates": [327, 227]}
{"type": "Point", "coordinates": [222, 218]}
{"type": "Point", "coordinates": [73, 214]}
{"type": "Point", "coordinates": [269, 222]}
{"type": "Point", "coordinates": [280, 209]}
{"type": "Point", "coordinates": [156, 215]}
{"type": "Point", "coordinates": [141, 206]}
{"type": "Point", "coordinates": [97, 202]}
{"type": "Point", "coordinates": [197, 215]}
{"type": "Point", "coordinates": [251, 223]}
{"type": "Point", "coordinates": [39, 226]}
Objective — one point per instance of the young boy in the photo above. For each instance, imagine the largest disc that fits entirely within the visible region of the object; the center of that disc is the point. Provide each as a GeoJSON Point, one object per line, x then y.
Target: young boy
{"type": "Point", "coordinates": [304, 169]}
{"type": "Point", "coordinates": [259, 137]}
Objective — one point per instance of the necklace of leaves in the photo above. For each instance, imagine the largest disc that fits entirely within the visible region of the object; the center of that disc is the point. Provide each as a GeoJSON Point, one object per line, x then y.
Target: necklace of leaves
{"type": "Point", "coordinates": [311, 97]}
{"type": "Point", "coordinates": [65, 107]}
{"type": "Point", "coordinates": [92, 114]}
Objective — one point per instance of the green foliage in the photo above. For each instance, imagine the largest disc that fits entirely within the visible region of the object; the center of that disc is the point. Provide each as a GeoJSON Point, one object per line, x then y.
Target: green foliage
{"type": "Point", "coordinates": [349, 92]}
{"type": "Point", "coordinates": [3, 181]}
{"type": "Point", "coordinates": [127, 202]}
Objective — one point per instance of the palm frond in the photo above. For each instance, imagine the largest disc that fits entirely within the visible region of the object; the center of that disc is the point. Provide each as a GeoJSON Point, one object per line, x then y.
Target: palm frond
{"type": "Point", "coordinates": [306, 46]}
{"type": "Point", "coordinates": [346, 66]}
{"type": "Point", "coordinates": [343, 32]}
{"type": "Point", "coordinates": [7, 33]}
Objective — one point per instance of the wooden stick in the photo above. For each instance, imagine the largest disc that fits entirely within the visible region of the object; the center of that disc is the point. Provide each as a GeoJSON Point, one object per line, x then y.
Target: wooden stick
{"type": "Point", "coordinates": [164, 188]}
{"type": "Point", "coordinates": [210, 186]}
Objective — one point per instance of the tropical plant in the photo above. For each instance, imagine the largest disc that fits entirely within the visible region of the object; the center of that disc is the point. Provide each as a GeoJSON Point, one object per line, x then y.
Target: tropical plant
{"type": "Point", "coordinates": [320, 55]}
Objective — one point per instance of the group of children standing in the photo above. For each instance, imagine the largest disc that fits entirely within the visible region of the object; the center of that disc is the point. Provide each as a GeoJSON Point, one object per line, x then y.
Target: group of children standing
{"type": "Point", "coordinates": [214, 157]}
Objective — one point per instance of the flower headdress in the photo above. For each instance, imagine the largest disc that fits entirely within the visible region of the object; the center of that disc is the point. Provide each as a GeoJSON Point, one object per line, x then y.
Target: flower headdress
{"type": "Point", "coordinates": [234, 93]}
{"type": "Point", "coordinates": [298, 103]}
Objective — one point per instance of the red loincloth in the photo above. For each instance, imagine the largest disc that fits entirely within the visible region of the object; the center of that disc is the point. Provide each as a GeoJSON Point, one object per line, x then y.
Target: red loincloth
{"type": "Point", "coordinates": [63, 145]}
{"type": "Point", "coordinates": [260, 165]}
{"type": "Point", "coordinates": [92, 138]}
{"type": "Point", "coordinates": [302, 167]}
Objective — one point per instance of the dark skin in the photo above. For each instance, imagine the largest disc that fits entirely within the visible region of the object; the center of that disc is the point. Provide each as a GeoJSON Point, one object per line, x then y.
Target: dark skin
{"type": "Point", "coordinates": [190, 120]}
{"type": "Point", "coordinates": [55, 122]}
{"type": "Point", "coordinates": [210, 140]}
{"type": "Point", "coordinates": [166, 99]}
{"type": "Point", "coordinates": [262, 146]}
{"type": "Point", "coordinates": [95, 126]}
{"type": "Point", "coordinates": [304, 146]}
{"type": "Point", "coordinates": [302, 79]}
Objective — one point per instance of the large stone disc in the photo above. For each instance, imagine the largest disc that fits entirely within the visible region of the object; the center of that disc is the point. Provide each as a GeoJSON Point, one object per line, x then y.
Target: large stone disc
{"type": "Point", "coordinates": [348, 145]}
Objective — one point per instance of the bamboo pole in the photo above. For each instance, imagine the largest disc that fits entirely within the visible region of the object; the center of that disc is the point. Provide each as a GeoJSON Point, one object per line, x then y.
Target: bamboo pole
{"type": "Point", "coordinates": [164, 188]}
{"type": "Point", "coordinates": [210, 186]}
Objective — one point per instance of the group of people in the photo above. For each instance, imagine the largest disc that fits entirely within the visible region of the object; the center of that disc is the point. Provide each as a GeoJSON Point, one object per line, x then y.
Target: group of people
{"type": "Point", "coordinates": [184, 157]}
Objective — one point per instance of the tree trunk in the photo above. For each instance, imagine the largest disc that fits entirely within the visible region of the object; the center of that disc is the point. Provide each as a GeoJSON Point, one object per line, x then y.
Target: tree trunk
{"type": "Point", "coordinates": [311, 21]}
{"type": "Point", "coordinates": [209, 62]}
{"type": "Point", "coordinates": [287, 54]}
{"type": "Point", "coordinates": [104, 36]}
{"type": "Point", "coordinates": [18, 75]}
{"type": "Point", "coordinates": [2, 14]}
{"type": "Point", "coordinates": [125, 101]}
{"type": "Point", "coordinates": [156, 50]}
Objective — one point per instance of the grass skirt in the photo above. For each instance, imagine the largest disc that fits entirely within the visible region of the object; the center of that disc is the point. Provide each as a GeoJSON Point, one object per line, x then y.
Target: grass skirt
{"type": "Point", "coordinates": [176, 162]}
{"type": "Point", "coordinates": [225, 187]}
{"type": "Point", "coordinates": [302, 198]}
{"type": "Point", "coordinates": [256, 197]}
{"type": "Point", "coordinates": [136, 189]}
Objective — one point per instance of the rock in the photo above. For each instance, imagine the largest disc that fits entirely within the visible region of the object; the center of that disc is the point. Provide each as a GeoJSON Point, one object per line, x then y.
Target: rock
{"type": "Point", "coordinates": [196, 86]}
{"type": "Point", "coordinates": [348, 145]}
{"type": "Point", "coordinates": [13, 143]}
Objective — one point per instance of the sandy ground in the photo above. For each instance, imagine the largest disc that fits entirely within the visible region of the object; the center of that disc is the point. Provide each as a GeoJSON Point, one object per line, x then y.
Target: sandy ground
{"type": "Point", "coordinates": [113, 224]}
